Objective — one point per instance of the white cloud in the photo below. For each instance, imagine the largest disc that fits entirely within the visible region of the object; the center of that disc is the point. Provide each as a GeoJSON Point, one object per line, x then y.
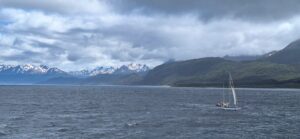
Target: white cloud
{"type": "Point", "coordinates": [6, 40]}
{"type": "Point", "coordinates": [87, 34]}
{"type": "Point", "coordinates": [25, 20]}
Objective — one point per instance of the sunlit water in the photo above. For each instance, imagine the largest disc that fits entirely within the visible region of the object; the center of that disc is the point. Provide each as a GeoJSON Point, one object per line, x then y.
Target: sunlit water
{"type": "Point", "coordinates": [116, 112]}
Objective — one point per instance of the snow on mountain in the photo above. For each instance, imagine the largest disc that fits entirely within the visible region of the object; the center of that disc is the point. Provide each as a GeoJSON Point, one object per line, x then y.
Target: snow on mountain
{"type": "Point", "coordinates": [270, 54]}
{"type": "Point", "coordinates": [28, 69]}
{"type": "Point", "coordinates": [125, 69]}
{"type": "Point", "coordinates": [5, 67]}
{"type": "Point", "coordinates": [93, 72]}
{"type": "Point", "coordinates": [28, 74]}
{"type": "Point", "coordinates": [138, 67]}
{"type": "Point", "coordinates": [132, 68]}
{"type": "Point", "coordinates": [102, 70]}
{"type": "Point", "coordinates": [43, 69]}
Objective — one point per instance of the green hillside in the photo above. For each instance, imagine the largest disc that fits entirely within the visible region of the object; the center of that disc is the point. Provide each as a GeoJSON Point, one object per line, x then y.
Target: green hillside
{"type": "Point", "coordinates": [281, 69]}
{"type": "Point", "coordinates": [183, 70]}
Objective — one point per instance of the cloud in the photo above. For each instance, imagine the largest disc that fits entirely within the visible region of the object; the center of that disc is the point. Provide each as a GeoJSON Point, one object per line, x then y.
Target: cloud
{"type": "Point", "coordinates": [81, 34]}
{"type": "Point", "coordinates": [58, 6]}
{"type": "Point", "coordinates": [262, 10]}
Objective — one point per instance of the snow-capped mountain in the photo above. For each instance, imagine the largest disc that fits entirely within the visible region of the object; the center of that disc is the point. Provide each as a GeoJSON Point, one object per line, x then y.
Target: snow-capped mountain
{"type": "Point", "coordinates": [132, 68]}
{"type": "Point", "coordinates": [104, 70]}
{"type": "Point", "coordinates": [28, 74]}
{"type": "Point", "coordinates": [93, 72]}
{"type": "Point", "coordinates": [28, 69]}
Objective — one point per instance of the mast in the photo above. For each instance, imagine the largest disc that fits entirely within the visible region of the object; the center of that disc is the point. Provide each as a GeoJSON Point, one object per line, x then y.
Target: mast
{"type": "Point", "coordinates": [223, 94]}
{"type": "Point", "coordinates": [232, 89]}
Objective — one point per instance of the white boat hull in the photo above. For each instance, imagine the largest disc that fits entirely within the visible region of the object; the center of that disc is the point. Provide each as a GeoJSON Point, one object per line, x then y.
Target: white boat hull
{"type": "Point", "coordinates": [231, 108]}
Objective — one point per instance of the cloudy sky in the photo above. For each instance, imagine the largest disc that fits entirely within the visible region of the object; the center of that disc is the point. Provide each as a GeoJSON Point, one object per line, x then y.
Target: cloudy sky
{"type": "Point", "coordinates": [76, 34]}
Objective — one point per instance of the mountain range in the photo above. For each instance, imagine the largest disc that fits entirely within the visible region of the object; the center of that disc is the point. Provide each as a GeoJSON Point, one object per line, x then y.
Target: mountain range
{"type": "Point", "coordinates": [24, 74]}
{"type": "Point", "coordinates": [124, 69]}
{"type": "Point", "coordinates": [31, 74]}
{"type": "Point", "coordinates": [275, 69]}
{"type": "Point", "coordinates": [126, 74]}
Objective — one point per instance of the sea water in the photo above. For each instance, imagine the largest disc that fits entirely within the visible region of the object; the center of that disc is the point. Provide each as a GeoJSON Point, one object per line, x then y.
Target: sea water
{"type": "Point", "coordinates": [124, 112]}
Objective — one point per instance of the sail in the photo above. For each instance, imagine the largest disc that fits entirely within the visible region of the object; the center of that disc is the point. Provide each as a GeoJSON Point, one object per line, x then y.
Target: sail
{"type": "Point", "coordinates": [232, 89]}
{"type": "Point", "coordinates": [234, 96]}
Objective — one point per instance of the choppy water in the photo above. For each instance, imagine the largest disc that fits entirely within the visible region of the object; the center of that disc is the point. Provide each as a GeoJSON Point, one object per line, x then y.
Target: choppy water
{"type": "Point", "coordinates": [116, 112]}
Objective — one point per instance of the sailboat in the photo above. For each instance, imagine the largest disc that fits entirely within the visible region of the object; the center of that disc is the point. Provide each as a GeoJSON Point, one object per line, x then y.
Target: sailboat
{"type": "Point", "coordinates": [226, 105]}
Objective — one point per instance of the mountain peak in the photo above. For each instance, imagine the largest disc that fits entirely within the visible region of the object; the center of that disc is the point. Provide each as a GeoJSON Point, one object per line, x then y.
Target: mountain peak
{"type": "Point", "coordinates": [101, 70]}
{"type": "Point", "coordinates": [132, 68]}
{"type": "Point", "coordinates": [288, 55]}
{"type": "Point", "coordinates": [138, 67]}
{"type": "Point", "coordinates": [28, 73]}
{"type": "Point", "coordinates": [28, 69]}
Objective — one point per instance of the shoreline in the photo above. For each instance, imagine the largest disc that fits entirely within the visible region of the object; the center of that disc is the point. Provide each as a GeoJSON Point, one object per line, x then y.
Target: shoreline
{"type": "Point", "coordinates": [156, 86]}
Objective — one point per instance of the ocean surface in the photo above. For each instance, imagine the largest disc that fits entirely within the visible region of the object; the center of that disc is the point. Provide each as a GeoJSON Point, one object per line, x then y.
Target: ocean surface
{"type": "Point", "coordinates": [122, 112]}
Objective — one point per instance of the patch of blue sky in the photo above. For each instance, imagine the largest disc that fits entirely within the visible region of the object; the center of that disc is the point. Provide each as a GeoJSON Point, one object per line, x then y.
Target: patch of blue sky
{"type": "Point", "coordinates": [5, 22]}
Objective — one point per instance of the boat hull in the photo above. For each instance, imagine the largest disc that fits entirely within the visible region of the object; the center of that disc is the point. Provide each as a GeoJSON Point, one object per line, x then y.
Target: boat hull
{"type": "Point", "coordinates": [231, 109]}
